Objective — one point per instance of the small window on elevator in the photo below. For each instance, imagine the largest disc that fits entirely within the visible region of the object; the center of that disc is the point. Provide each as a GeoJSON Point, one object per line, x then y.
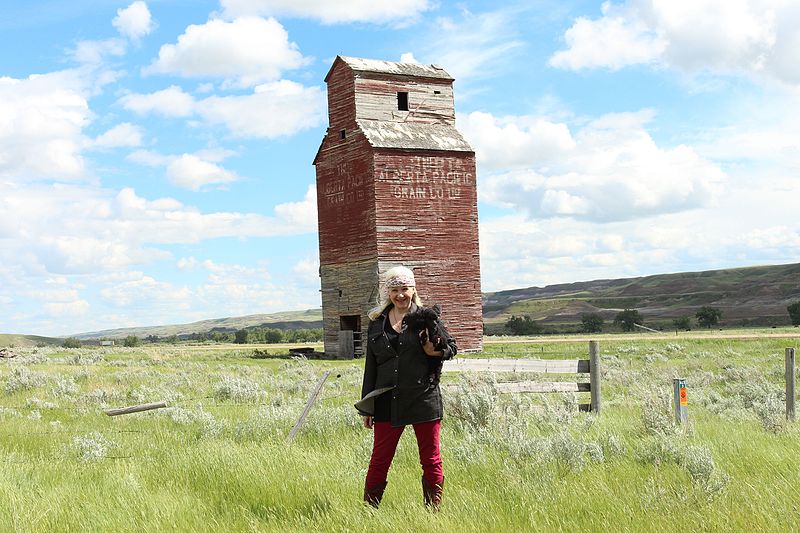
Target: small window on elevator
{"type": "Point", "coordinates": [402, 101]}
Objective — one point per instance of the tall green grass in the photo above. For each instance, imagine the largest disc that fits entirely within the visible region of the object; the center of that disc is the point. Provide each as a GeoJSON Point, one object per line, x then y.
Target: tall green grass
{"type": "Point", "coordinates": [218, 458]}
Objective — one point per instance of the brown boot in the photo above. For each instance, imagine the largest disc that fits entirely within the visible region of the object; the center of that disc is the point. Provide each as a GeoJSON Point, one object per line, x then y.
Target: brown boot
{"type": "Point", "coordinates": [432, 494]}
{"type": "Point", "coordinates": [373, 496]}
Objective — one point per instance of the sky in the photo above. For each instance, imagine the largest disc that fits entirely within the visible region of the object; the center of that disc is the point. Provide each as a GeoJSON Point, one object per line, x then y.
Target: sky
{"type": "Point", "coordinates": [156, 156]}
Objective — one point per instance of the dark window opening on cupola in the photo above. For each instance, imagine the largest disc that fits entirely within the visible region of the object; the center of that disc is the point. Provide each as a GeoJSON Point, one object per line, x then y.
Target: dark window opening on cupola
{"type": "Point", "coordinates": [342, 134]}
{"type": "Point", "coordinates": [402, 101]}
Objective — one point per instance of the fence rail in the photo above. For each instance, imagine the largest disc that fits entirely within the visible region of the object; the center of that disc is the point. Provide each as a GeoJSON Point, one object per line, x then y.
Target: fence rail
{"type": "Point", "coordinates": [589, 366]}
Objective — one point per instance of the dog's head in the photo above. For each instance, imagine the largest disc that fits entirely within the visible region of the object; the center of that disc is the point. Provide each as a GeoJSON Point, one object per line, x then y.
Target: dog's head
{"type": "Point", "coordinates": [426, 319]}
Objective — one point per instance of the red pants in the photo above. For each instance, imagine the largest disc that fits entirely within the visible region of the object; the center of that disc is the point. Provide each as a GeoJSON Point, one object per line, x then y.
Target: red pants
{"type": "Point", "coordinates": [385, 439]}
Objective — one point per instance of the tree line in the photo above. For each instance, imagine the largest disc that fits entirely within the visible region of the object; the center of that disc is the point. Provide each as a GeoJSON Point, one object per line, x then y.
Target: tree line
{"type": "Point", "coordinates": [241, 336]}
{"type": "Point", "coordinates": [628, 319]}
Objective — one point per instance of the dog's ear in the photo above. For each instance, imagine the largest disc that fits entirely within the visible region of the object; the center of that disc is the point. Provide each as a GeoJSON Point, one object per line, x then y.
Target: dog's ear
{"type": "Point", "coordinates": [437, 309]}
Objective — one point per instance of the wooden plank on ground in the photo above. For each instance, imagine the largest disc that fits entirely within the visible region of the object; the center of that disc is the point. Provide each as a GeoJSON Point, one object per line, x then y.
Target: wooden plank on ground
{"type": "Point", "coordinates": [136, 408]}
{"type": "Point", "coordinates": [310, 403]}
{"type": "Point", "coordinates": [541, 366]}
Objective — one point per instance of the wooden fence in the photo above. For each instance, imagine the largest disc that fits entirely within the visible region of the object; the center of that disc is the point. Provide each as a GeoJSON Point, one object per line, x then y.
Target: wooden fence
{"type": "Point", "coordinates": [589, 366]}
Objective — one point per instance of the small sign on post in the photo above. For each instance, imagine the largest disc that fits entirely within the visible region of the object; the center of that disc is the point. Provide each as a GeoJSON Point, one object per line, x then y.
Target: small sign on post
{"type": "Point", "coordinates": [681, 401]}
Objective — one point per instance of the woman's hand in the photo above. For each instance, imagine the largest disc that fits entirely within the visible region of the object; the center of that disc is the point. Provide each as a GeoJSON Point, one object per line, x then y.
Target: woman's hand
{"type": "Point", "coordinates": [427, 345]}
{"type": "Point", "coordinates": [368, 422]}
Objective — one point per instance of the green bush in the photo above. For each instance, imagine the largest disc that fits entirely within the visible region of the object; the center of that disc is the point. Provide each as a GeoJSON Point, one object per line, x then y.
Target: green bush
{"type": "Point", "coordinates": [592, 322]}
{"type": "Point", "coordinates": [131, 341]}
{"type": "Point", "coordinates": [708, 317]}
{"type": "Point", "coordinates": [523, 325]}
{"type": "Point", "coordinates": [682, 322]}
{"type": "Point", "coordinates": [71, 342]}
{"type": "Point", "coordinates": [794, 313]}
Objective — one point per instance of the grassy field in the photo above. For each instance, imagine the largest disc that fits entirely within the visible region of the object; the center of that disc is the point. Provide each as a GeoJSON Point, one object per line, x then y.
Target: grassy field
{"type": "Point", "coordinates": [218, 459]}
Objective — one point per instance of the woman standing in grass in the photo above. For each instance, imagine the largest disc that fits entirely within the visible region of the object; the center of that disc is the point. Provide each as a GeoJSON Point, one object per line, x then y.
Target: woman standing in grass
{"type": "Point", "coordinates": [401, 385]}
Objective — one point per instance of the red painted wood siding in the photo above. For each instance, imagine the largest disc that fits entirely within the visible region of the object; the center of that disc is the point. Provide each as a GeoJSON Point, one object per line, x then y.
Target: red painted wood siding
{"type": "Point", "coordinates": [427, 219]}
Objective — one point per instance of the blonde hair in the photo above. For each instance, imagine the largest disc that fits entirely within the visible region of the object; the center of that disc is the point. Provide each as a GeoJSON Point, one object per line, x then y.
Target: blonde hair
{"type": "Point", "coordinates": [394, 277]}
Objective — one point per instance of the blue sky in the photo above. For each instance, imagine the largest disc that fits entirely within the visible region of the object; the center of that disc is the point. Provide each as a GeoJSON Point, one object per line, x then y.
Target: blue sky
{"type": "Point", "coordinates": [156, 156]}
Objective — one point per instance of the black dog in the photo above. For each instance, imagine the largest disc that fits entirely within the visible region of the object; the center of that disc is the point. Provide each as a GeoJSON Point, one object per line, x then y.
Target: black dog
{"type": "Point", "coordinates": [426, 320]}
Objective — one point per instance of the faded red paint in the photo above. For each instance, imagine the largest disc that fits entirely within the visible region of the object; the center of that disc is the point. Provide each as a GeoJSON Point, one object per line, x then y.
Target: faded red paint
{"type": "Point", "coordinates": [382, 204]}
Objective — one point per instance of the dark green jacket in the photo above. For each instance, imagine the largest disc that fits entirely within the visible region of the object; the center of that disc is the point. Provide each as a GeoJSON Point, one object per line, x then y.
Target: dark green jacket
{"type": "Point", "coordinates": [411, 374]}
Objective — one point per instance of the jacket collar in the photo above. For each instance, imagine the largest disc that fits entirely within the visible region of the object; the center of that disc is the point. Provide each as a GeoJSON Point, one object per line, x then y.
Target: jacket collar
{"type": "Point", "coordinates": [385, 314]}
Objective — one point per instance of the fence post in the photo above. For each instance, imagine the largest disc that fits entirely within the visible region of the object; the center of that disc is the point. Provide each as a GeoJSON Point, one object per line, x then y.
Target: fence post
{"type": "Point", "coordinates": [790, 382]}
{"type": "Point", "coordinates": [681, 400]}
{"type": "Point", "coordinates": [594, 375]}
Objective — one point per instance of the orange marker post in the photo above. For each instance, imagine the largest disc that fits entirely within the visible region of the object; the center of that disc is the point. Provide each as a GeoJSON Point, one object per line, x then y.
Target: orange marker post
{"type": "Point", "coordinates": [681, 401]}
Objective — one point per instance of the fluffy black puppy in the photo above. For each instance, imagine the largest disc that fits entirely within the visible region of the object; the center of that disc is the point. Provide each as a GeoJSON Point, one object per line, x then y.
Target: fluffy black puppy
{"type": "Point", "coordinates": [426, 320]}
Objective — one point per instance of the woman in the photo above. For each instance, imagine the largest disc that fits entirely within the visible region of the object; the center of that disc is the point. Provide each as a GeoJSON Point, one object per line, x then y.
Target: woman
{"type": "Point", "coordinates": [401, 386]}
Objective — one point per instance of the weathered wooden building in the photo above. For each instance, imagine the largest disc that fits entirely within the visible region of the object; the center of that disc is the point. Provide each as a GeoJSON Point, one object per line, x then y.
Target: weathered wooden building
{"type": "Point", "coordinates": [395, 185]}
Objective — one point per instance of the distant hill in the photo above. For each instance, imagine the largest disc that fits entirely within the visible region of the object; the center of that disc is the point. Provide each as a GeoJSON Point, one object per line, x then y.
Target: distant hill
{"type": "Point", "coordinates": [752, 296]}
{"type": "Point", "coordinates": [311, 318]}
{"type": "Point", "coordinates": [21, 341]}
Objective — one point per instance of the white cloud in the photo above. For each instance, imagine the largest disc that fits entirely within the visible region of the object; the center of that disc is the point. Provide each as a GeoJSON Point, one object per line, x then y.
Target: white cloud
{"type": "Point", "coordinates": [563, 250]}
{"type": "Point", "coordinates": [515, 142]}
{"type": "Point", "coordinates": [307, 271]}
{"type": "Point", "coordinates": [95, 52]}
{"type": "Point", "coordinates": [62, 294]}
{"type": "Point", "coordinates": [241, 289]}
{"type": "Point", "coordinates": [215, 155]}
{"type": "Point", "coordinates": [124, 134]}
{"type": "Point", "coordinates": [191, 172]}
{"type": "Point", "coordinates": [166, 220]}
{"type": "Point", "coordinates": [758, 132]}
{"type": "Point", "coordinates": [773, 238]}
{"type": "Point", "coordinates": [612, 41]}
{"type": "Point", "coordinates": [614, 171]}
{"type": "Point", "coordinates": [146, 289]}
{"type": "Point", "coordinates": [277, 109]}
{"type": "Point", "coordinates": [69, 230]}
{"type": "Point", "coordinates": [754, 37]}
{"type": "Point", "coordinates": [186, 263]}
{"type": "Point", "coordinates": [475, 46]}
{"type": "Point", "coordinates": [300, 214]}
{"type": "Point", "coordinates": [169, 102]}
{"type": "Point", "coordinates": [245, 52]}
{"type": "Point", "coordinates": [226, 290]}
{"type": "Point", "coordinates": [341, 11]}
{"type": "Point", "coordinates": [69, 309]}
{"type": "Point", "coordinates": [134, 21]}
{"type": "Point", "coordinates": [41, 123]}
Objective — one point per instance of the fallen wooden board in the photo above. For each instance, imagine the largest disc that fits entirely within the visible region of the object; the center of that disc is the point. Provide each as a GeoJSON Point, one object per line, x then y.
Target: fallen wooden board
{"type": "Point", "coordinates": [135, 408]}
